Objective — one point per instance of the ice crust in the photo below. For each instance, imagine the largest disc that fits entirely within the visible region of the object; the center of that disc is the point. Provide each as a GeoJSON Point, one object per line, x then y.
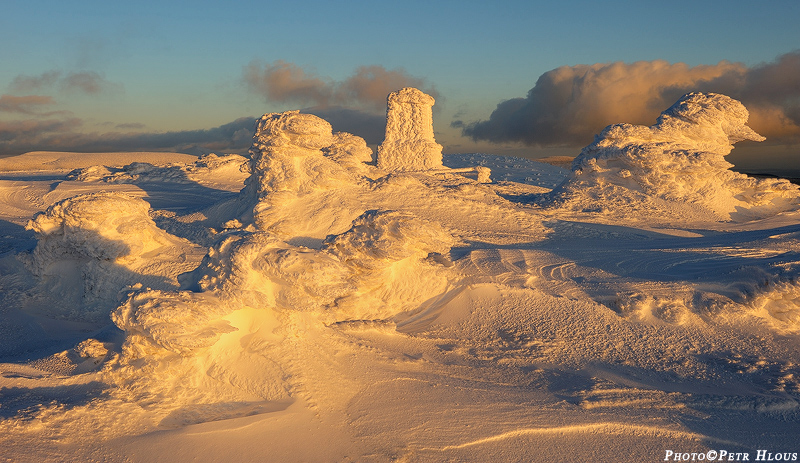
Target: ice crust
{"type": "Point", "coordinates": [679, 159]}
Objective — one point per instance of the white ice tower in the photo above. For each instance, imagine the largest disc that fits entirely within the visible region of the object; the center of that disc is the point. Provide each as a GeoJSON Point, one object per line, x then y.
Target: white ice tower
{"type": "Point", "coordinates": [409, 144]}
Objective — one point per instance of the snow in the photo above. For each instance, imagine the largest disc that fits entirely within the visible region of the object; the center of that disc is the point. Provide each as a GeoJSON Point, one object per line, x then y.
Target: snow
{"type": "Point", "coordinates": [233, 308]}
{"type": "Point", "coordinates": [409, 143]}
{"type": "Point", "coordinates": [680, 159]}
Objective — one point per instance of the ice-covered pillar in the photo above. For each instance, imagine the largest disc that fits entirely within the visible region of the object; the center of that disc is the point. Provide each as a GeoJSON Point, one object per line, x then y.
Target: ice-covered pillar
{"type": "Point", "coordinates": [409, 144]}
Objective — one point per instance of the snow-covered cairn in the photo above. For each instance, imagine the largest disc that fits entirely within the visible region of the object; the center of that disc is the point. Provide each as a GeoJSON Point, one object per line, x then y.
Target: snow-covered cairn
{"type": "Point", "coordinates": [681, 158]}
{"type": "Point", "coordinates": [409, 145]}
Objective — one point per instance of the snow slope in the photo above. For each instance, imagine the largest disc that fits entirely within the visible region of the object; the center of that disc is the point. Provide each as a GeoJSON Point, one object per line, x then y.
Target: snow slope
{"type": "Point", "coordinates": [306, 305]}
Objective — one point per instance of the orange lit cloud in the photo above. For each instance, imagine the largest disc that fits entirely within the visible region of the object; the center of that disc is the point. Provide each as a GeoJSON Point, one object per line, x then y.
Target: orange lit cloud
{"type": "Point", "coordinates": [570, 104]}
{"type": "Point", "coordinates": [368, 87]}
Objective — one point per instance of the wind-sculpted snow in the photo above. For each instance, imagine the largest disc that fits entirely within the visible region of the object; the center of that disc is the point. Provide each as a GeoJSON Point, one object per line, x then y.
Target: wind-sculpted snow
{"type": "Point", "coordinates": [404, 313]}
{"type": "Point", "coordinates": [679, 159]}
{"type": "Point", "coordinates": [293, 156]}
{"type": "Point", "coordinates": [388, 263]}
{"type": "Point", "coordinates": [91, 246]}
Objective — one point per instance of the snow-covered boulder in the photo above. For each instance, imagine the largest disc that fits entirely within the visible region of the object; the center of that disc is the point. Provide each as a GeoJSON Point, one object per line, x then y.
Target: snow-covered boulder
{"type": "Point", "coordinates": [679, 159]}
{"type": "Point", "coordinates": [409, 144]}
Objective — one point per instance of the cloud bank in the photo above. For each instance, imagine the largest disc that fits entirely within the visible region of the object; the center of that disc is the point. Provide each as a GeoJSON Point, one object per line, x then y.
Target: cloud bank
{"type": "Point", "coordinates": [29, 104]}
{"type": "Point", "coordinates": [17, 137]}
{"type": "Point", "coordinates": [570, 104]}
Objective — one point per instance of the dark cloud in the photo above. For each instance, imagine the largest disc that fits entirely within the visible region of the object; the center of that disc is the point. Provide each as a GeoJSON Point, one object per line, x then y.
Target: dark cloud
{"type": "Point", "coordinates": [88, 82]}
{"type": "Point", "coordinates": [30, 130]}
{"type": "Point", "coordinates": [367, 88]}
{"type": "Point", "coordinates": [570, 104]}
{"type": "Point", "coordinates": [130, 126]}
{"type": "Point", "coordinates": [19, 137]}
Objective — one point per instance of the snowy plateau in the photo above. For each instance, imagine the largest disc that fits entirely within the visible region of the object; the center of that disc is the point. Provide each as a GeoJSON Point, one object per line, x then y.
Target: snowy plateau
{"type": "Point", "coordinates": [321, 301]}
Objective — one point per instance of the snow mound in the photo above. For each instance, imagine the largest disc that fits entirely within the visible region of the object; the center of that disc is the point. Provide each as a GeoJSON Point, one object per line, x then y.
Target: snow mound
{"type": "Point", "coordinates": [91, 246]}
{"type": "Point", "coordinates": [409, 144]}
{"type": "Point", "coordinates": [679, 159]}
{"type": "Point", "coordinates": [103, 226]}
{"type": "Point", "coordinates": [180, 322]}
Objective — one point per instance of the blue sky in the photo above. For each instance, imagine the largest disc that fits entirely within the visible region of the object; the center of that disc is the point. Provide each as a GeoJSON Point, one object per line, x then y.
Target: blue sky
{"type": "Point", "coordinates": [144, 67]}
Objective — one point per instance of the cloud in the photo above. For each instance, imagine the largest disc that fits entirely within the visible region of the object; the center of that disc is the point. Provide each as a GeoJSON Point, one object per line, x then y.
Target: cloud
{"type": "Point", "coordinates": [19, 137]}
{"type": "Point", "coordinates": [29, 84]}
{"type": "Point", "coordinates": [570, 104]}
{"type": "Point", "coordinates": [367, 88]}
{"type": "Point", "coordinates": [88, 82]}
{"type": "Point", "coordinates": [24, 104]}
{"type": "Point", "coordinates": [31, 130]}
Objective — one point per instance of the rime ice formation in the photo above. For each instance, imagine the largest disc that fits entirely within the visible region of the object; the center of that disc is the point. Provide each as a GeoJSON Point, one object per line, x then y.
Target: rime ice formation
{"type": "Point", "coordinates": [295, 155]}
{"type": "Point", "coordinates": [409, 144]}
{"type": "Point", "coordinates": [90, 246]}
{"type": "Point", "coordinates": [395, 315]}
{"type": "Point", "coordinates": [679, 159]}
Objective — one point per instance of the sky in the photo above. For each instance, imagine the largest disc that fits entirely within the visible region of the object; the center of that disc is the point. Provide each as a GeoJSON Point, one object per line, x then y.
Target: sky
{"type": "Point", "coordinates": [528, 78]}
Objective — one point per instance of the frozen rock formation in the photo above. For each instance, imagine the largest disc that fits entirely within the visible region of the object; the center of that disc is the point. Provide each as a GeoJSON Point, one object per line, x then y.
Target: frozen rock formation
{"type": "Point", "coordinates": [91, 246]}
{"type": "Point", "coordinates": [680, 158]}
{"type": "Point", "coordinates": [286, 155]}
{"type": "Point", "coordinates": [295, 155]}
{"type": "Point", "coordinates": [99, 226]}
{"type": "Point", "coordinates": [409, 144]}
